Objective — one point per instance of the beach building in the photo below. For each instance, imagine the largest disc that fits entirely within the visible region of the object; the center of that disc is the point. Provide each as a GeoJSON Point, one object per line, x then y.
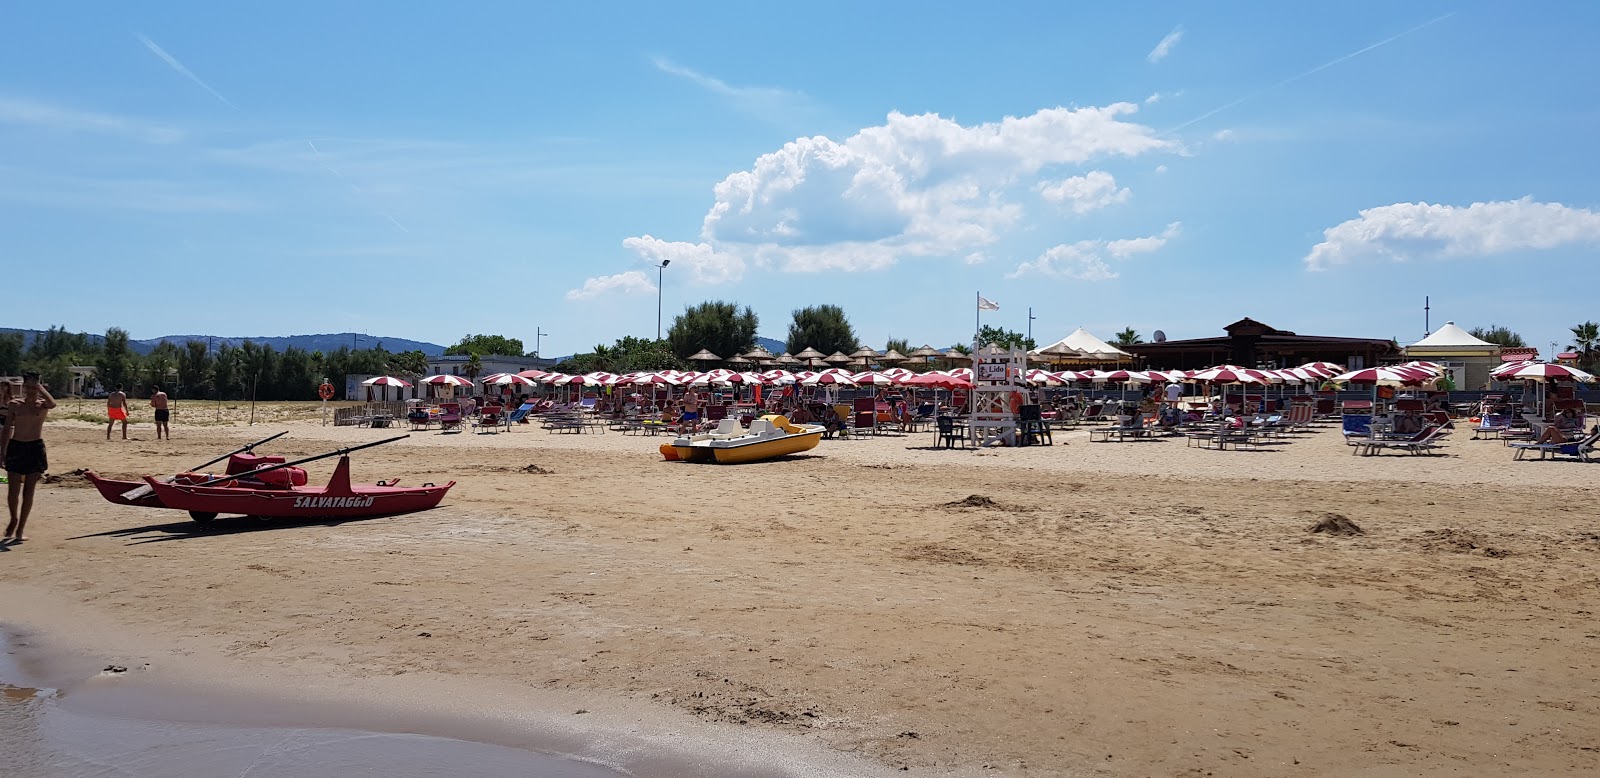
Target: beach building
{"type": "Point", "coordinates": [1466, 359]}
{"type": "Point", "coordinates": [1249, 343]}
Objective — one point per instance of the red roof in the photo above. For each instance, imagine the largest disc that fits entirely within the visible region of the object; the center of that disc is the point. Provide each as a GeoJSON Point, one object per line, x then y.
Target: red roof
{"type": "Point", "coordinates": [1518, 353]}
{"type": "Point", "coordinates": [1567, 355]}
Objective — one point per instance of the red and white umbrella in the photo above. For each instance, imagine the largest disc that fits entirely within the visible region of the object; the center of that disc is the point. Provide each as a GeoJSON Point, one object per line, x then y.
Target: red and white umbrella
{"type": "Point", "coordinates": [1381, 376]}
{"type": "Point", "coordinates": [1128, 377]}
{"type": "Point", "coordinates": [508, 379]}
{"type": "Point", "coordinates": [386, 380]}
{"type": "Point", "coordinates": [1545, 371]}
{"type": "Point", "coordinates": [898, 373]}
{"type": "Point", "coordinates": [778, 376]}
{"type": "Point", "coordinates": [1228, 374]}
{"type": "Point", "coordinates": [653, 379]}
{"type": "Point", "coordinates": [1511, 367]}
{"type": "Point", "coordinates": [1039, 377]}
{"type": "Point", "coordinates": [873, 379]}
{"type": "Point", "coordinates": [534, 374]}
{"type": "Point", "coordinates": [601, 378]}
{"type": "Point", "coordinates": [446, 380]}
{"type": "Point", "coordinates": [831, 376]}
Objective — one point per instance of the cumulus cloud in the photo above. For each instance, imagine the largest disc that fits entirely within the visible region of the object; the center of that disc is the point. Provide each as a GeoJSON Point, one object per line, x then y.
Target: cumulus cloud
{"type": "Point", "coordinates": [1425, 231]}
{"type": "Point", "coordinates": [1222, 135]}
{"type": "Point", "coordinates": [631, 282]}
{"type": "Point", "coordinates": [915, 186]}
{"type": "Point", "coordinates": [1166, 45]}
{"type": "Point", "coordinates": [703, 263]}
{"type": "Point", "coordinates": [1085, 260]}
{"type": "Point", "coordinates": [1084, 193]}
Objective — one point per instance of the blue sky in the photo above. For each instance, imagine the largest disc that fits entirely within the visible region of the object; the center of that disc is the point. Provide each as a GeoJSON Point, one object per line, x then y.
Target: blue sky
{"type": "Point", "coordinates": [423, 170]}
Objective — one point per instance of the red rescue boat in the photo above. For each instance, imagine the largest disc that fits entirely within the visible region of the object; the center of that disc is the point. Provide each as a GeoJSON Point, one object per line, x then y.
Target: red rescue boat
{"type": "Point", "coordinates": [275, 490]}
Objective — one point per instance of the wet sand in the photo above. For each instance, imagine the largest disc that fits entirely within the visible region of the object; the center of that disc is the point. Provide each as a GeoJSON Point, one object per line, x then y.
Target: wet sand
{"type": "Point", "coordinates": [1116, 609]}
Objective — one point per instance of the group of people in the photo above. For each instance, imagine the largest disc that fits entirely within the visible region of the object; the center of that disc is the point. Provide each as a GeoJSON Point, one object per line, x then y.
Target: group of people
{"type": "Point", "coordinates": [117, 412]}
{"type": "Point", "coordinates": [22, 414]}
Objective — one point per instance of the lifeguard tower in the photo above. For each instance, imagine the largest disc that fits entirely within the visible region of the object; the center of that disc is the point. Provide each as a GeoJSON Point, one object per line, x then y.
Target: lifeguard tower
{"type": "Point", "coordinates": [999, 386]}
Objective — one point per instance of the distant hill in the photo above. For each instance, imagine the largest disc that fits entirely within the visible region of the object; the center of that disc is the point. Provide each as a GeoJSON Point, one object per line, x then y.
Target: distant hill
{"type": "Point", "coordinates": [775, 346]}
{"type": "Point", "coordinates": [323, 343]}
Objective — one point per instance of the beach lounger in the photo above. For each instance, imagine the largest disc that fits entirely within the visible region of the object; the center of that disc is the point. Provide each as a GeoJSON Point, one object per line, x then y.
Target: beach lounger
{"type": "Point", "coordinates": [1579, 449]}
{"type": "Point", "coordinates": [449, 417]}
{"type": "Point", "coordinates": [488, 420]}
{"type": "Point", "coordinates": [1422, 442]}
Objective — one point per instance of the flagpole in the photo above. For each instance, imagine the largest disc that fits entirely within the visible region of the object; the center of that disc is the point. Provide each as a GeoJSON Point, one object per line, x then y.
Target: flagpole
{"type": "Point", "coordinates": [977, 319]}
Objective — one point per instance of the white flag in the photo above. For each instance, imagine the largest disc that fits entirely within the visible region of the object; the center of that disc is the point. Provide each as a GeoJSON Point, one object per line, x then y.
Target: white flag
{"type": "Point", "coordinates": [986, 305]}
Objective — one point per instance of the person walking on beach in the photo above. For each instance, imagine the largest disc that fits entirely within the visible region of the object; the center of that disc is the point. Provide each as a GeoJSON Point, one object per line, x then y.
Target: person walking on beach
{"type": "Point", "coordinates": [158, 401]}
{"type": "Point", "coordinates": [117, 410]}
{"type": "Point", "coordinates": [5, 402]}
{"type": "Point", "coordinates": [25, 457]}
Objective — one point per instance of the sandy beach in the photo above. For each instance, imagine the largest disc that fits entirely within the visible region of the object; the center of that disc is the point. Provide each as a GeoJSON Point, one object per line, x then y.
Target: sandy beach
{"type": "Point", "coordinates": [1079, 609]}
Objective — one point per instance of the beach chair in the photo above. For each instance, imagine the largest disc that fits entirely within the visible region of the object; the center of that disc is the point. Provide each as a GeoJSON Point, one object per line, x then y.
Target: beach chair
{"type": "Point", "coordinates": [419, 419]}
{"type": "Point", "coordinates": [449, 417]}
{"type": "Point", "coordinates": [925, 414]}
{"type": "Point", "coordinates": [518, 416]}
{"type": "Point", "coordinates": [1032, 429]}
{"type": "Point", "coordinates": [1424, 440]}
{"type": "Point", "coordinates": [1579, 449]}
{"type": "Point", "coordinates": [1493, 425]}
{"type": "Point", "coordinates": [488, 419]}
{"type": "Point", "coordinates": [948, 434]}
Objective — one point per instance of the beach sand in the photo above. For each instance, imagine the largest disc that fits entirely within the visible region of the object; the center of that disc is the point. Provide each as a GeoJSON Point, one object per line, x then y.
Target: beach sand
{"type": "Point", "coordinates": [1101, 609]}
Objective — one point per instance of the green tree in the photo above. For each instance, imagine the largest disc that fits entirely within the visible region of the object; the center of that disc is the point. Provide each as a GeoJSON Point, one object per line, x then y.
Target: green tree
{"type": "Point", "coordinates": [194, 368]}
{"type": "Point", "coordinates": [1128, 337]}
{"type": "Point", "coordinates": [822, 327]}
{"type": "Point", "coordinates": [57, 342]}
{"type": "Point", "coordinates": [897, 344]}
{"type": "Point", "coordinates": [628, 355]}
{"type": "Point", "coordinates": [53, 371]}
{"type": "Point", "coordinates": [407, 363]}
{"type": "Point", "coordinates": [1502, 336]}
{"type": "Point", "coordinates": [115, 365]}
{"type": "Point", "coordinates": [716, 326]}
{"type": "Point", "coordinates": [159, 367]}
{"type": "Point", "coordinates": [10, 353]}
{"type": "Point", "coordinates": [225, 372]}
{"type": "Point", "coordinates": [1003, 337]}
{"type": "Point", "coordinates": [487, 345]}
{"type": "Point", "coordinates": [1585, 341]}
{"type": "Point", "coordinates": [294, 378]}
{"type": "Point", "coordinates": [473, 367]}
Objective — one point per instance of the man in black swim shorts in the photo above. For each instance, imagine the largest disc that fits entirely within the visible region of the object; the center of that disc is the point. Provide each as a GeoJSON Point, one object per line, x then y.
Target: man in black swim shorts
{"type": "Point", "coordinates": [25, 455]}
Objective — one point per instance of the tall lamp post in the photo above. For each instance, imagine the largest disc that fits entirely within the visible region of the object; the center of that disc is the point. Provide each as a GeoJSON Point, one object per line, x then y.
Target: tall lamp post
{"type": "Point", "coordinates": [660, 274]}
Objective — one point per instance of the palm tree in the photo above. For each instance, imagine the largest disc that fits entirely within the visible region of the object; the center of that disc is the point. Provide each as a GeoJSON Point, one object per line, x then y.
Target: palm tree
{"type": "Point", "coordinates": [1586, 339]}
{"type": "Point", "coordinates": [473, 367]}
{"type": "Point", "coordinates": [1128, 337]}
{"type": "Point", "coordinates": [603, 357]}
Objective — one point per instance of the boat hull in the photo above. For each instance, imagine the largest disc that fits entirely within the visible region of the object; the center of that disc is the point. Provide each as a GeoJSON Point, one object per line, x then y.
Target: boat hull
{"type": "Point", "coordinates": [766, 449]}
{"type": "Point", "coordinates": [358, 502]}
{"type": "Point", "coordinates": [115, 491]}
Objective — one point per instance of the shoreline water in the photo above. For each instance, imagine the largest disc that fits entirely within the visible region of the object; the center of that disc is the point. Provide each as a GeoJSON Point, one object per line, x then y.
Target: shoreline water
{"type": "Point", "coordinates": [63, 717]}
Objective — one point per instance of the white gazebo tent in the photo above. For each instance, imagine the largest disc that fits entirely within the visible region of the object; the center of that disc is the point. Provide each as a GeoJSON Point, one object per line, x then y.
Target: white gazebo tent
{"type": "Point", "coordinates": [1080, 346]}
{"type": "Point", "coordinates": [1466, 359]}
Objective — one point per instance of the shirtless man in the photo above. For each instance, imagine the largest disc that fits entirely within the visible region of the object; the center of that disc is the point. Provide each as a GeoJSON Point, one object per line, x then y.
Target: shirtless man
{"type": "Point", "coordinates": [691, 411]}
{"type": "Point", "coordinates": [117, 410]}
{"type": "Point", "coordinates": [158, 401]}
{"type": "Point", "coordinates": [25, 458]}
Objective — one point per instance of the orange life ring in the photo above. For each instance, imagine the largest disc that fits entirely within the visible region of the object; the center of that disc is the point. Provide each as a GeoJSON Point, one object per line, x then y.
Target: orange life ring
{"type": "Point", "coordinates": [325, 391]}
{"type": "Point", "coordinates": [1016, 402]}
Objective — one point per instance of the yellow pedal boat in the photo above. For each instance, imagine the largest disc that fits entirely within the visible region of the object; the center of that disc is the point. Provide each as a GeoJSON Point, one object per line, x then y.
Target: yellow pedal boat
{"type": "Point", "coordinates": [768, 437]}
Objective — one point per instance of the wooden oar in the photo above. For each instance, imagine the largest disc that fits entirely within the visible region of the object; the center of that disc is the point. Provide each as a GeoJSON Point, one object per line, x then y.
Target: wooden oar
{"type": "Point", "coordinates": [340, 452]}
{"type": "Point", "coordinates": [144, 489]}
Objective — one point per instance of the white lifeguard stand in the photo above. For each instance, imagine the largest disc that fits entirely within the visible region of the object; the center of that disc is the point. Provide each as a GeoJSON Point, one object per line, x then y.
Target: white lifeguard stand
{"type": "Point", "coordinates": [997, 374]}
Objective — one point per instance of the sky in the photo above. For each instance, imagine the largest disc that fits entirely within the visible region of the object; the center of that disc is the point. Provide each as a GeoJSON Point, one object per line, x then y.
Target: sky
{"type": "Point", "coordinates": [428, 170]}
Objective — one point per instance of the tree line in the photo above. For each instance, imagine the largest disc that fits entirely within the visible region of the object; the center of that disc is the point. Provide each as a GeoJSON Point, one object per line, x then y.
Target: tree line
{"type": "Point", "coordinates": [196, 369]}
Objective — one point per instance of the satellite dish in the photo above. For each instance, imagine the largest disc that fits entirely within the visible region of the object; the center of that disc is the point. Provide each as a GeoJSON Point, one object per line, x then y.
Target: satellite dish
{"type": "Point", "coordinates": [1161, 337]}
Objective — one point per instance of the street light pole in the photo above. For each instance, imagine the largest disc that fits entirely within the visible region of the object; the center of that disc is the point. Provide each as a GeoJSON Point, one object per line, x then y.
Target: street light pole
{"type": "Point", "coordinates": [661, 270]}
{"type": "Point", "coordinates": [538, 335]}
{"type": "Point", "coordinates": [1031, 317]}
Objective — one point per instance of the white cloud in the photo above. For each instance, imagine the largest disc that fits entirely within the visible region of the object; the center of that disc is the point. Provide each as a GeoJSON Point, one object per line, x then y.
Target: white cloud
{"type": "Point", "coordinates": [1127, 247]}
{"type": "Point", "coordinates": [1222, 135]}
{"type": "Point", "coordinates": [1156, 97]}
{"type": "Point", "coordinates": [631, 282]}
{"type": "Point", "coordinates": [703, 263]}
{"type": "Point", "coordinates": [914, 186]}
{"type": "Point", "coordinates": [766, 102]}
{"type": "Point", "coordinates": [1166, 45]}
{"type": "Point", "coordinates": [21, 111]}
{"type": "Point", "coordinates": [177, 66]}
{"type": "Point", "coordinates": [1161, 168]}
{"type": "Point", "coordinates": [1084, 193]}
{"type": "Point", "coordinates": [976, 258]}
{"type": "Point", "coordinates": [1421, 230]}
{"type": "Point", "coordinates": [1085, 260]}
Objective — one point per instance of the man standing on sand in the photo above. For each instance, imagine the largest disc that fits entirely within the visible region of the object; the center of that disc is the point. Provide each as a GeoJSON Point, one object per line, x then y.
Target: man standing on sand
{"type": "Point", "coordinates": [117, 409]}
{"type": "Point", "coordinates": [25, 458]}
{"type": "Point", "coordinates": [158, 401]}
